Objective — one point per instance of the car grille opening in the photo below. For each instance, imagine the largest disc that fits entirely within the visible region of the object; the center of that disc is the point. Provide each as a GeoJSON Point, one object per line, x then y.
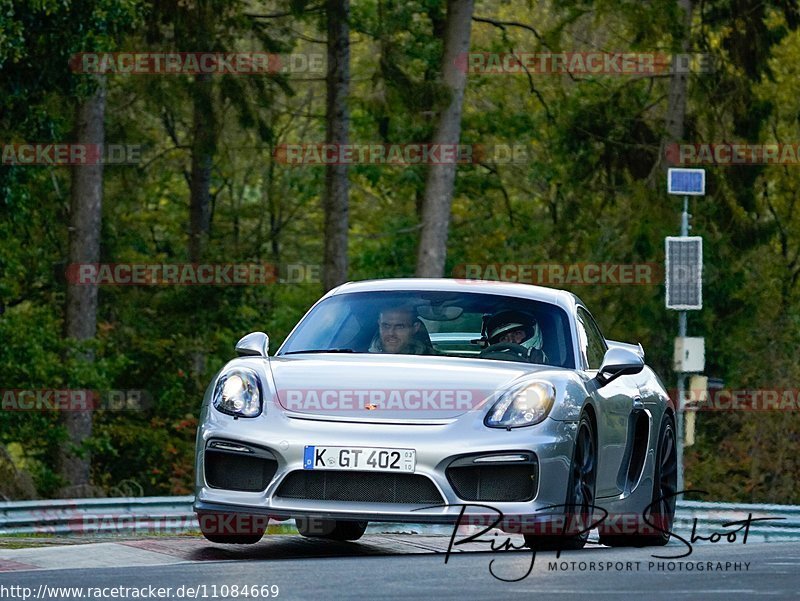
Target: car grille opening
{"type": "Point", "coordinates": [237, 471]}
{"type": "Point", "coordinates": [368, 487]}
{"type": "Point", "coordinates": [496, 482]}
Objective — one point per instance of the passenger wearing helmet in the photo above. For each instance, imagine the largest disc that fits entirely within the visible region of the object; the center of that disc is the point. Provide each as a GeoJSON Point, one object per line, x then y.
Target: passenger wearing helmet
{"type": "Point", "coordinates": [516, 334]}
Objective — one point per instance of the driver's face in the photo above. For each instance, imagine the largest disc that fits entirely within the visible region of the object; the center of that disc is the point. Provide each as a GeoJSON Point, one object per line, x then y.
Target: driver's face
{"type": "Point", "coordinates": [396, 330]}
{"type": "Point", "coordinates": [514, 336]}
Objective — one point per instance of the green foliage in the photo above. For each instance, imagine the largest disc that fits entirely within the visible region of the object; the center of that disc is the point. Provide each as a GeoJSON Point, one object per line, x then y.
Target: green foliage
{"type": "Point", "coordinates": [588, 191]}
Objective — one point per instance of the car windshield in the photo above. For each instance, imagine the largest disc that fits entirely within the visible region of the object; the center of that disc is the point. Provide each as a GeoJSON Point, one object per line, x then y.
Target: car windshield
{"type": "Point", "coordinates": [449, 324]}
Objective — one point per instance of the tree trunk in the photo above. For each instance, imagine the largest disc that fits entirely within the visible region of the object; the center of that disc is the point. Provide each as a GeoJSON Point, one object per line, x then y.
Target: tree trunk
{"type": "Point", "coordinates": [203, 145]}
{"type": "Point", "coordinates": [678, 84]}
{"type": "Point", "coordinates": [335, 200]}
{"type": "Point", "coordinates": [86, 200]}
{"type": "Point", "coordinates": [676, 103]}
{"type": "Point", "coordinates": [432, 249]}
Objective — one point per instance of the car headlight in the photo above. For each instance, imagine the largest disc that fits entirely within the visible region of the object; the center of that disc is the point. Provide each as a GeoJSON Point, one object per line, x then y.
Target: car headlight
{"type": "Point", "coordinates": [238, 393]}
{"type": "Point", "coordinates": [522, 406]}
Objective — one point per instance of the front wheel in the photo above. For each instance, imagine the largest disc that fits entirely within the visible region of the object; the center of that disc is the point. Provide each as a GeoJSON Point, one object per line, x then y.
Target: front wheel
{"type": "Point", "coordinates": [341, 530]}
{"type": "Point", "coordinates": [580, 496]}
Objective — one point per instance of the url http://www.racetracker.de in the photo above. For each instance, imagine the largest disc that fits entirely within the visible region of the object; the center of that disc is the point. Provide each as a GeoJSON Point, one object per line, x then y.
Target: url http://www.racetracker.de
{"type": "Point", "coordinates": [200, 591]}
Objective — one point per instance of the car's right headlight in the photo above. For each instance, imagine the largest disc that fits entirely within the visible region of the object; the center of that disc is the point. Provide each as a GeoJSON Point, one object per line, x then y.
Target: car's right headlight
{"type": "Point", "coordinates": [524, 405]}
{"type": "Point", "coordinates": [238, 393]}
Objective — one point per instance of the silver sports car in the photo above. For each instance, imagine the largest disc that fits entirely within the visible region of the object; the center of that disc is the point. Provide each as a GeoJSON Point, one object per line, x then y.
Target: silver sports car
{"type": "Point", "coordinates": [439, 401]}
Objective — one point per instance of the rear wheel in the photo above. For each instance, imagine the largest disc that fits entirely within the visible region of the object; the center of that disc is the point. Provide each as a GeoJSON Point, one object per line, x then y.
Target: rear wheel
{"type": "Point", "coordinates": [331, 529]}
{"type": "Point", "coordinates": [232, 528]}
{"type": "Point", "coordinates": [665, 485]}
{"type": "Point", "coordinates": [580, 495]}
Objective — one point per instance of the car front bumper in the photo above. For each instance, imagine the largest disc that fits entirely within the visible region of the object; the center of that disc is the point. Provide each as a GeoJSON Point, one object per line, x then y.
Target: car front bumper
{"type": "Point", "coordinates": [437, 443]}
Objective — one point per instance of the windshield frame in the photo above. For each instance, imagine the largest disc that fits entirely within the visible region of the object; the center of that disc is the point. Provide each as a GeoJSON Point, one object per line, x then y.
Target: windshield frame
{"type": "Point", "coordinates": [570, 361]}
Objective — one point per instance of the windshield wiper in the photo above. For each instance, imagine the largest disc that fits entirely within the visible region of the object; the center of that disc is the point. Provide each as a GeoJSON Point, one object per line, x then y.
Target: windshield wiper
{"type": "Point", "coordinates": [321, 350]}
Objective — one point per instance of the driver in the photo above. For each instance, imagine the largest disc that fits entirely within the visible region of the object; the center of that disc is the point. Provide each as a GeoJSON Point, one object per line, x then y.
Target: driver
{"type": "Point", "coordinates": [519, 328]}
{"type": "Point", "coordinates": [400, 332]}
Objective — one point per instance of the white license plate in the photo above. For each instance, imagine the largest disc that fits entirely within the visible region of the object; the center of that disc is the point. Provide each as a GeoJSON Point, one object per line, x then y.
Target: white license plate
{"type": "Point", "coordinates": [370, 459]}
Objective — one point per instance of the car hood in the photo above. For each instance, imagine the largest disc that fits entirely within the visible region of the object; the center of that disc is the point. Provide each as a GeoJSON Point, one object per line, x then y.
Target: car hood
{"type": "Point", "coordinates": [396, 387]}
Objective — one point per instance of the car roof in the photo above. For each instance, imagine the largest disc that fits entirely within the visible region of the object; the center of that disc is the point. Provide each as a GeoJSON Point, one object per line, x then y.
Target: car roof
{"type": "Point", "coordinates": [562, 298]}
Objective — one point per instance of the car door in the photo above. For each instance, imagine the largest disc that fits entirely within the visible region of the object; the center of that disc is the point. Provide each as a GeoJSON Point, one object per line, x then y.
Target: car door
{"type": "Point", "coordinates": [615, 402]}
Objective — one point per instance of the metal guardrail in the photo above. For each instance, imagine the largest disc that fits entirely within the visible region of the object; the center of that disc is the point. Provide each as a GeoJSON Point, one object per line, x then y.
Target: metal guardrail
{"type": "Point", "coordinates": [712, 516]}
{"type": "Point", "coordinates": [149, 515]}
{"type": "Point", "coordinates": [98, 516]}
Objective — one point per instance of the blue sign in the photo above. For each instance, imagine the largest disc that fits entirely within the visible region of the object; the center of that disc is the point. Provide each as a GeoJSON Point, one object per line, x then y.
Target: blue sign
{"type": "Point", "coordinates": [686, 182]}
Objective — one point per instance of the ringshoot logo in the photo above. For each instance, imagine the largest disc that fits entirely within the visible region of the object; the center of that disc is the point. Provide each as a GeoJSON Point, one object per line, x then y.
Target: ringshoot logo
{"type": "Point", "coordinates": [401, 154]}
{"type": "Point", "coordinates": [196, 63]}
{"type": "Point", "coordinates": [70, 154]}
{"type": "Point", "coordinates": [191, 274]}
{"type": "Point", "coordinates": [730, 400]}
{"type": "Point", "coordinates": [582, 63]}
{"type": "Point", "coordinates": [643, 274]}
{"type": "Point", "coordinates": [726, 154]}
{"type": "Point", "coordinates": [388, 399]}
{"type": "Point", "coordinates": [49, 399]}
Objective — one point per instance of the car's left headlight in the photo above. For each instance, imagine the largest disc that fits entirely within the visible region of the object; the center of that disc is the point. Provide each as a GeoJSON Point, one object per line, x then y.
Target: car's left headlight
{"type": "Point", "coordinates": [238, 393]}
{"type": "Point", "coordinates": [525, 405]}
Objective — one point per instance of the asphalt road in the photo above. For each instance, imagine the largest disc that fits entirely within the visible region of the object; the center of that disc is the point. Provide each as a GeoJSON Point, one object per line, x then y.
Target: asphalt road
{"type": "Point", "coordinates": [413, 567]}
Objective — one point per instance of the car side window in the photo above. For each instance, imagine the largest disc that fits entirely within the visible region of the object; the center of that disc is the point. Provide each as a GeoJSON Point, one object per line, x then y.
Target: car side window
{"type": "Point", "coordinates": [595, 343]}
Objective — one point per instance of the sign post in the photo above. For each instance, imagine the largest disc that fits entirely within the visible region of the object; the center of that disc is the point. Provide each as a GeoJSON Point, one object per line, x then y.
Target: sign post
{"type": "Point", "coordinates": [684, 285]}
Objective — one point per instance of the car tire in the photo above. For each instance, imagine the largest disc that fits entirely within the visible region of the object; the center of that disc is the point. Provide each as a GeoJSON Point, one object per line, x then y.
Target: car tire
{"type": "Point", "coordinates": [665, 485]}
{"type": "Point", "coordinates": [209, 526]}
{"type": "Point", "coordinates": [580, 492]}
{"type": "Point", "coordinates": [341, 530]}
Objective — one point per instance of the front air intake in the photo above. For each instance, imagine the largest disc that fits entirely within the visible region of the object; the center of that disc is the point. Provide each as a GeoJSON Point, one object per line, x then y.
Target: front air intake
{"type": "Point", "coordinates": [233, 466]}
{"type": "Point", "coordinates": [513, 481]}
{"type": "Point", "coordinates": [366, 487]}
